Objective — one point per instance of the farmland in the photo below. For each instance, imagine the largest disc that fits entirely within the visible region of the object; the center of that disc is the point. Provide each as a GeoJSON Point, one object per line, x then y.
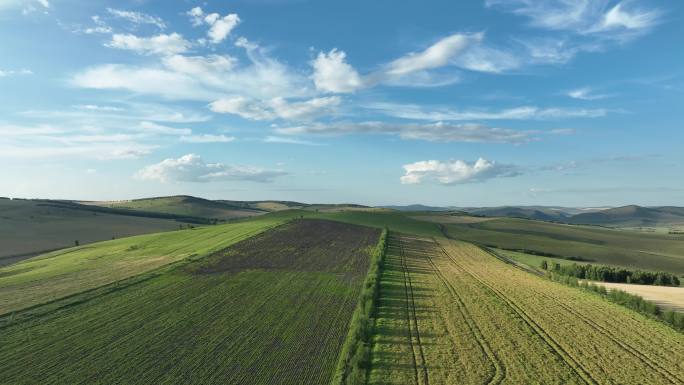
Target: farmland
{"type": "Point", "coordinates": [29, 227]}
{"type": "Point", "coordinates": [451, 313]}
{"type": "Point", "coordinates": [70, 271]}
{"type": "Point", "coordinates": [252, 313]}
{"type": "Point", "coordinates": [646, 251]}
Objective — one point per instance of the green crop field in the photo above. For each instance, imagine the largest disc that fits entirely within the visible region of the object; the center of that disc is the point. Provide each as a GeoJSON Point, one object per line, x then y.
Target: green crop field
{"type": "Point", "coordinates": [273, 309]}
{"type": "Point", "coordinates": [449, 313]}
{"type": "Point", "coordinates": [69, 271]}
{"type": "Point", "coordinates": [27, 227]}
{"type": "Point", "coordinates": [647, 251]}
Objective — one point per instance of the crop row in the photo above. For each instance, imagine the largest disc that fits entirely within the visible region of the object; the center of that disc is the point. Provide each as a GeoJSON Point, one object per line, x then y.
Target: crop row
{"type": "Point", "coordinates": [604, 342]}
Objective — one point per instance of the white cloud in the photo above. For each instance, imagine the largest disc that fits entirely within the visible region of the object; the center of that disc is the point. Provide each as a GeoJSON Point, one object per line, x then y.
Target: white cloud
{"type": "Point", "coordinates": [586, 93]}
{"type": "Point", "coordinates": [144, 80]}
{"type": "Point", "coordinates": [434, 132]}
{"type": "Point", "coordinates": [8, 73]}
{"type": "Point", "coordinates": [207, 138]}
{"type": "Point", "coordinates": [333, 74]}
{"type": "Point", "coordinates": [100, 26]}
{"type": "Point", "coordinates": [437, 55]}
{"type": "Point", "coordinates": [219, 26]}
{"type": "Point", "coordinates": [275, 108]}
{"type": "Point", "coordinates": [26, 6]}
{"type": "Point", "coordinates": [161, 44]}
{"type": "Point", "coordinates": [620, 18]}
{"type": "Point", "coordinates": [95, 107]}
{"type": "Point", "coordinates": [455, 171]}
{"type": "Point", "coordinates": [584, 17]}
{"type": "Point", "coordinates": [241, 106]}
{"type": "Point", "coordinates": [434, 113]}
{"type": "Point", "coordinates": [191, 168]}
{"type": "Point", "coordinates": [137, 17]}
{"type": "Point", "coordinates": [286, 140]}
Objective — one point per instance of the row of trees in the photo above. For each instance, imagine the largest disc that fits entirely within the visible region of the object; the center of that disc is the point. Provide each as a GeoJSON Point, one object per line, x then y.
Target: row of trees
{"type": "Point", "coordinates": [612, 274]}
{"type": "Point", "coordinates": [631, 301]}
{"type": "Point", "coordinates": [355, 356]}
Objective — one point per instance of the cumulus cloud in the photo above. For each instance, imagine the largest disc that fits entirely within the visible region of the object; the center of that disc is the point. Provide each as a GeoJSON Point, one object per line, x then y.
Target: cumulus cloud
{"type": "Point", "coordinates": [275, 108]}
{"type": "Point", "coordinates": [434, 132]}
{"type": "Point", "coordinates": [137, 17]}
{"type": "Point", "coordinates": [161, 44]}
{"type": "Point", "coordinates": [456, 171]}
{"type": "Point", "coordinates": [219, 26]}
{"type": "Point", "coordinates": [191, 168]}
{"type": "Point", "coordinates": [333, 74]}
{"type": "Point", "coordinates": [435, 113]}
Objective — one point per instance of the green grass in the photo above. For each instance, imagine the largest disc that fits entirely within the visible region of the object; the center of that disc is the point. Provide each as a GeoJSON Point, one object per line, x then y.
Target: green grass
{"type": "Point", "coordinates": [26, 227]}
{"type": "Point", "coordinates": [66, 272]}
{"type": "Point", "coordinates": [534, 261]}
{"type": "Point", "coordinates": [186, 206]}
{"type": "Point", "coordinates": [255, 313]}
{"type": "Point", "coordinates": [396, 221]}
{"type": "Point", "coordinates": [657, 252]}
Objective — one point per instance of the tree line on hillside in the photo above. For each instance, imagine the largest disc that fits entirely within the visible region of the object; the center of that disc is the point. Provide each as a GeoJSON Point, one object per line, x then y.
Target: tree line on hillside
{"type": "Point", "coordinates": [612, 274]}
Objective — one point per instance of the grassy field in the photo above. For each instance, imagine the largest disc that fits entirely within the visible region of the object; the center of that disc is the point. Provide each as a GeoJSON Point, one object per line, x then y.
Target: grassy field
{"type": "Point", "coordinates": [27, 227]}
{"type": "Point", "coordinates": [658, 252]}
{"type": "Point", "coordinates": [451, 313]}
{"type": "Point", "coordinates": [665, 296]}
{"type": "Point", "coordinates": [185, 205]}
{"type": "Point", "coordinates": [69, 271]}
{"type": "Point", "coordinates": [254, 313]}
{"type": "Point", "coordinates": [397, 221]}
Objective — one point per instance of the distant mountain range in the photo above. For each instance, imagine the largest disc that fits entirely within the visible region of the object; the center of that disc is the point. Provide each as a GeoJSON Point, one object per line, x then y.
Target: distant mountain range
{"type": "Point", "coordinates": [626, 216]}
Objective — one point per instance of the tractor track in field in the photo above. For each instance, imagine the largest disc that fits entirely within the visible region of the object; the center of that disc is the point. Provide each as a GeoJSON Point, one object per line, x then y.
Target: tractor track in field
{"type": "Point", "coordinates": [573, 363]}
{"type": "Point", "coordinates": [412, 321]}
{"type": "Point", "coordinates": [499, 369]}
{"type": "Point", "coordinates": [609, 335]}
{"type": "Point", "coordinates": [626, 347]}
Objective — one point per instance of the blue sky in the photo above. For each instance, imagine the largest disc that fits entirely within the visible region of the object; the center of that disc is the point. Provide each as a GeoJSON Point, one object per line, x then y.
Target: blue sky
{"type": "Point", "coordinates": [468, 103]}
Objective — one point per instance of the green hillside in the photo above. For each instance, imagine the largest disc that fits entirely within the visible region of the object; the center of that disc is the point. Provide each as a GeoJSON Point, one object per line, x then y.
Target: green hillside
{"type": "Point", "coordinates": [28, 227]}
{"type": "Point", "coordinates": [186, 206]}
{"type": "Point", "coordinates": [660, 252]}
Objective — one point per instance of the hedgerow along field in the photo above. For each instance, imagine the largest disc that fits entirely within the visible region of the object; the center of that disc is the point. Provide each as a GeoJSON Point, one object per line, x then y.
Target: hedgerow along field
{"type": "Point", "coordinates": [450, 313]}
{"type": "Point", "coordinates": [272, 309]}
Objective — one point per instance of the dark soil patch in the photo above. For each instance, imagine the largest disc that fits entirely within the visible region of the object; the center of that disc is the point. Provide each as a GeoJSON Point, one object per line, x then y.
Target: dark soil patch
{"type": "Point", "coordinates": [301, 245]}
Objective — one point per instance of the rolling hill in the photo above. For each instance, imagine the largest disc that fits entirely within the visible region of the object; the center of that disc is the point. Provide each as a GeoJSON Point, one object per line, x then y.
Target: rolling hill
{"type": "Point", "coordinates": [632, 216]}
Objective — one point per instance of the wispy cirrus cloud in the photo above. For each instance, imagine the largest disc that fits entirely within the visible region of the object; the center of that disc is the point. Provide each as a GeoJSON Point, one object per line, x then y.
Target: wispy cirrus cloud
{"type": "Point", "coordinates": [161, 44]}
{"type": "Point", "coordinates": [611, 19]}
{"type": "Point", "coordinates": [137, 17]}
{"type": "Point", "coordinates": [435, 113]}
{"type": "Point", "coordinates": [586, 93]}
{"type": "Point", "coordinates": [433, 132]}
